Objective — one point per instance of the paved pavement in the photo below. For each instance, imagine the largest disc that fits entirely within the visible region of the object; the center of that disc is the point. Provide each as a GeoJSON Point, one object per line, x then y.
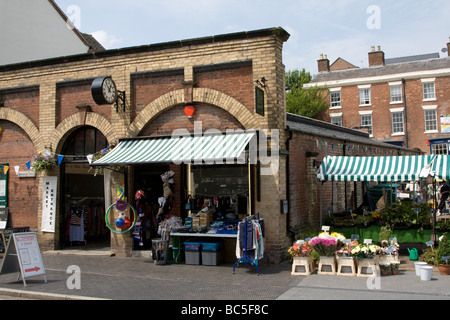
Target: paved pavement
{"type": "Point", "coordinates": [103, 276]}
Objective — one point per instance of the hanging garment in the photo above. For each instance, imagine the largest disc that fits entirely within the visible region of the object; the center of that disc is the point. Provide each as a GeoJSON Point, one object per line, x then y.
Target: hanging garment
{"type": "Point", "coordinates": [76, 232]}
{"type": "Point", "coordinates": [254, 247]}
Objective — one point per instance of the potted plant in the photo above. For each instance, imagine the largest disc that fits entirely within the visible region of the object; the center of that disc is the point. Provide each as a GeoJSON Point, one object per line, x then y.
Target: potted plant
{"type": "Point", "coordinates": [394, 265]}
{"type": "Point", "coordinates": [442, 255]}
{"type": "Point", "coordinates": [385, 268]}
{"type": "Point", "coordinates": [43, 162]}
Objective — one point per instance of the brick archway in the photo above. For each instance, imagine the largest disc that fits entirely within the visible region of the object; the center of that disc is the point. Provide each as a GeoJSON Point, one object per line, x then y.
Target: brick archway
{"type": "Point", "coordinates": [75, 121]}
{"type": "Point", "coordinates": [200, 95]}
{"type": "Point", "coordinates": [25, 123]}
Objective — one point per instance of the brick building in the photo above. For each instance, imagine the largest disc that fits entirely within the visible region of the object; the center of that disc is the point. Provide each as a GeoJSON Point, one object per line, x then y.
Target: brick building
{"type": "Point", "coordinates": [404, 101]}
{"type": "Point", "coordinates": [235, 82]}
{"type": "Point", "coordinates": [48, 105]}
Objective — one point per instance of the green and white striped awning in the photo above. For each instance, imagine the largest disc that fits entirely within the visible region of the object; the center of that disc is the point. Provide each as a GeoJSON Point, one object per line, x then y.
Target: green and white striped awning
{"type": "Point", "coordinates": [383, 169]}
{"type": "Point", "coordinates": [179, 149]}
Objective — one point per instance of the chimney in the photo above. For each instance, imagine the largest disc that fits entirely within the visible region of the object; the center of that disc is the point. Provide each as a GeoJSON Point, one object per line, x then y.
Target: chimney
{"type": "Point", "coordinates": [448, 47]}
{"type": "Point", "coordinates": [323, 63]}
{"type": "Point", "coordinates": [376, 58]}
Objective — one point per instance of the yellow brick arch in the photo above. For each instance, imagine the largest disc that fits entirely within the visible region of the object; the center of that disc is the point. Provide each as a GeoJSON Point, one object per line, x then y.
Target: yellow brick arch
{"type": "Point", "coordinates": [26, 124]}
{"type": "Point", "coordinates": [69, 124]}
{"type": "Point", "coordinates": [200, 95]}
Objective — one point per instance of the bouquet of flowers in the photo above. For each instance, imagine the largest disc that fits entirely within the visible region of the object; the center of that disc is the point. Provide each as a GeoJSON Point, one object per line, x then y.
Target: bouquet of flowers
{"type": "Point", "coordinates": [346, 249]}
{"type": "Point", "coordinates": [324, 245]}
{"type": "Point", "coordinates": [43, 162]}
{"type": "Point", "coordinates": [363, 251]}
{"type": "Point", "coordinates": [389, 248]}
{"type": "Point", "coordinates": [300, 250]}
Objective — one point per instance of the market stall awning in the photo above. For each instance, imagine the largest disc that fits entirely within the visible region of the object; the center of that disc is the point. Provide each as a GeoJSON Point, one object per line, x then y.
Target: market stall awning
{"type": "Point", "coordinates": [180, 149]}
{"type": "Point", "coordinates": [382, 169]}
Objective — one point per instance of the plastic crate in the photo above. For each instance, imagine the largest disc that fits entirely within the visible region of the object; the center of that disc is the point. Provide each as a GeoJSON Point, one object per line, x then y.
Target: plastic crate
{"type": "Point", "coordinates": [212, 246]}
{"type": "Point", "coordinates": [192, 246]}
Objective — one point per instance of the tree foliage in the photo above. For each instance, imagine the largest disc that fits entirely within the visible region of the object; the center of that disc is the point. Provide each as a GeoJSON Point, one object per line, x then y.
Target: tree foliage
{"type": "Point", "coordinates": [305, 102]}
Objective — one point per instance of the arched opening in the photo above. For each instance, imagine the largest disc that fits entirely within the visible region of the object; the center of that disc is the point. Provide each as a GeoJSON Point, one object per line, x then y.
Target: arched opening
{"type": "Point", "coordinates": [83, 194]}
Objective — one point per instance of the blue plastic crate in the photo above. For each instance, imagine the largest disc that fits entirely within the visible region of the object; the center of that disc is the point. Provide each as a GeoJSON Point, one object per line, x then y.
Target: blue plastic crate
{"type": "Point", "coordinates": [212, 246]}
{"type": "Point", "coordinates": [192, 246]}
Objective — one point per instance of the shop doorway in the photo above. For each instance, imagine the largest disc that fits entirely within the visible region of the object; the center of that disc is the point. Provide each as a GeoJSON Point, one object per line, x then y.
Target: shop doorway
{"type": "Point", "coordinates": [147, 179]}
{"type": "Point", "coordinates": [83, 202]}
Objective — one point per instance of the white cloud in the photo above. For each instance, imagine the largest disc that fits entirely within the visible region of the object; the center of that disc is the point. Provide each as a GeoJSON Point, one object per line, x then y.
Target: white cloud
{"type": "Point", "coordinates": [106, 40]}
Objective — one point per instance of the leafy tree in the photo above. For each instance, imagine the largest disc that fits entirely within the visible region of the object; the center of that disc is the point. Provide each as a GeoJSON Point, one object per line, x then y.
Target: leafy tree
{"type": "Point", "coordinates": [305, 102]}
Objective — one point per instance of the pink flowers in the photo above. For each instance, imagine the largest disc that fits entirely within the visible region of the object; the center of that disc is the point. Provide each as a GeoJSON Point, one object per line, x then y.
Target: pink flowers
{"type": "Point", "coordinates": [324, 245]}
{"type": "Point", "coordinates": [328, 241]}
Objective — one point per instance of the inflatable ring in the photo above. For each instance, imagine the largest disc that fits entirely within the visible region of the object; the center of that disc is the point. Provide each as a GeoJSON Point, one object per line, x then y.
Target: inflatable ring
{"type": "Point", "coordinates": [113, 229]}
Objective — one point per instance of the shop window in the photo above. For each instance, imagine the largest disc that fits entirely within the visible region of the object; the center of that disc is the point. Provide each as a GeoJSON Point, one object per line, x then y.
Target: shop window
{"type": "Point", "coordinates": [441, 148]}
{"type": "Point", "coordinates": [224, 187]}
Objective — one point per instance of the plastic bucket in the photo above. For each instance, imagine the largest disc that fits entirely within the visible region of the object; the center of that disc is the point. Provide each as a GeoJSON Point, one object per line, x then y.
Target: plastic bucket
{"type": "Point", "coordinates": [425, 273]}
{"type": "Point", "coordinates": [418, 265]}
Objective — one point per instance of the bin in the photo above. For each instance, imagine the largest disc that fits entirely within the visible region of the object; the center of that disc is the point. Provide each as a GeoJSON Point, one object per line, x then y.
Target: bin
{"type": "Point", "coordinates": [177, 250]}
{"type": "Point", "coordinates": [160, 251]}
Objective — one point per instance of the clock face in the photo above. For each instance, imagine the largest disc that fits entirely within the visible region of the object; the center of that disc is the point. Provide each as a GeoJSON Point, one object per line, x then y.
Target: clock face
{"type": "Point", "coordinates": [104, 90]}
{"type": "Point", "coordinates": [109, 90]}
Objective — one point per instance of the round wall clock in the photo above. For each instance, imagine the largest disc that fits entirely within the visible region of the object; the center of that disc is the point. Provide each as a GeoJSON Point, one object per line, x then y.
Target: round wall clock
{"type": "Point", "coordinates": [104, 90]}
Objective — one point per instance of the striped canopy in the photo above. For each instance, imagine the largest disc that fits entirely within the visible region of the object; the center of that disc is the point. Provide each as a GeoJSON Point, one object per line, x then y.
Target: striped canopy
{"type": "Point", "coordinates": [180, 149]}
{"type": "Point", "coordinates": [382, 169]}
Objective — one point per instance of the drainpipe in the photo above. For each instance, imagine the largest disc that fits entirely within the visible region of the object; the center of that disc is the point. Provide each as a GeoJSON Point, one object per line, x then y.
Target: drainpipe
{"type": "Point", "coordinates": [288, 180]}
{"type": "Point", "coordinates": [405, 113]}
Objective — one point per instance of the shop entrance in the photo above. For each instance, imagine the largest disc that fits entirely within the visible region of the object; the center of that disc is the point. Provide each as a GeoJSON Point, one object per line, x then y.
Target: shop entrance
{"type": "Point", "coordinates": [148, 191]}
{"type": "Point", "coordinates": [82, 188]}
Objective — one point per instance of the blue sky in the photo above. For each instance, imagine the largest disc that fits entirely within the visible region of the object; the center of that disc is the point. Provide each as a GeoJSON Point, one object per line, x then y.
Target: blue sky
{"type": "Point", "coordinates": [337, 28]}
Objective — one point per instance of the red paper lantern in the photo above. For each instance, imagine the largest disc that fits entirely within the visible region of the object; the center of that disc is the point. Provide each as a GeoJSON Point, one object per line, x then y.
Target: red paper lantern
{"type": "Point", "coordinates": [189, 111]}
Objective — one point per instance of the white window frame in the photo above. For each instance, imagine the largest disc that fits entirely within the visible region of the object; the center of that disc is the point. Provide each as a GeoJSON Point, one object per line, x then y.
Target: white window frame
{"type": "Point", "coordinates": [335, 90]}
{"type": "Point", "coordinates": [394, 86]}
{"type": "Point", "coordinates": [429, 109]}
{"type": "Point", "coordinates": [396, 111]}
{"type": "Point", "coordinates": [425, 83]}
{"type": "Point", "coordinates": [336, 116]}
{"type": "Point", "coordinates": [365, 90]}
{"type": "Point", "coordinates": [367, 114]}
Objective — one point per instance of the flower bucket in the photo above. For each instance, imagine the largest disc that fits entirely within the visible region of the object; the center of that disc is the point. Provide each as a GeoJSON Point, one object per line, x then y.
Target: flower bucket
{"type": "Point", "coordinates": [418, 265]}
{"type": "Point", "coordinates": [302, 266]}
{"type": "Point", "coordinates": [425, 273]}
{"type": "Point", "coordinates": [327, 265]}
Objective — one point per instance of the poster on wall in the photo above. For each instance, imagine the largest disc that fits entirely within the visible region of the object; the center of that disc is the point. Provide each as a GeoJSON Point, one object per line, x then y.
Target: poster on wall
{"type": "Point", "coordinates": [445, 123]}
{"type": "Point", "coordinates": [49, 204]}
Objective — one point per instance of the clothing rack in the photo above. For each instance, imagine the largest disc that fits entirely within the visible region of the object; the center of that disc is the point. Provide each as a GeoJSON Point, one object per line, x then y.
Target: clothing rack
{"type": "Point", "coordinates": [246, 258]}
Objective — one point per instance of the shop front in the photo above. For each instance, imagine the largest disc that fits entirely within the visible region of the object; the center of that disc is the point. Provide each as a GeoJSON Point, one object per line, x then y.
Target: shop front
{"type": "Point", "coordinates": [188, 187]}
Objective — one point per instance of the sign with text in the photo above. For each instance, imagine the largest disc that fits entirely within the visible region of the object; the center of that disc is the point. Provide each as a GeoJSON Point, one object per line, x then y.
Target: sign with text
{"type": "Point", "coordinates": [23, 255]}
{"type": "Point", "coordinates": [49, 204]}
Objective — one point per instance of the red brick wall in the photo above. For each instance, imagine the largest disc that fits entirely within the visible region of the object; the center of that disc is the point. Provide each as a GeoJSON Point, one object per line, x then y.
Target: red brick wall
{"type": "Point", "coordinates": [17, 149]}
{"type": "Point", "coordinates": [234, 81]}
{"type": "Point", "coordinates": [24, 100]}
{"type": "Point", "coordinates": [69, 96]}
{"type": "Point", "coordinates": [147, 87]}
{"type": "Point", "coordinates": [303, 178]}
{"type": "Point", "coordinates": [211, 117]}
